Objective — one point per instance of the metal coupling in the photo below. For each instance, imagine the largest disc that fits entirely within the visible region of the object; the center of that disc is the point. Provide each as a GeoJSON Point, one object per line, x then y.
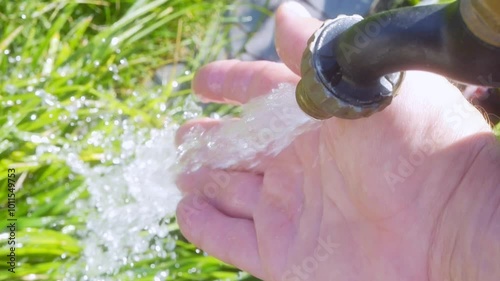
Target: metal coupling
{"type": "Point", "coordinates": [325, 92]}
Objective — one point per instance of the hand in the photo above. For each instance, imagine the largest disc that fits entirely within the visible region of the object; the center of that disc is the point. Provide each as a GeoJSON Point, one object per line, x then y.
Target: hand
{"type": "Point", "coordinates": [402, 195]}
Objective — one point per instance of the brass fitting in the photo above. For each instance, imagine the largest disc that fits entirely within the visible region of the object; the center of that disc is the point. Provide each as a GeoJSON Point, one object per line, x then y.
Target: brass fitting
{"type": "Point", "coordinates": [482, 17]}
{"type": "Point", "coordinates": [324, 92]}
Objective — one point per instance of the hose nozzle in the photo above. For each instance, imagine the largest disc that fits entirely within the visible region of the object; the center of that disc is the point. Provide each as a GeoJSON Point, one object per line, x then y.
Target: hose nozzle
{"type": "Point", "coordinates": [353, 67]}
{"type": "Point", "coordinates": [324, 92]}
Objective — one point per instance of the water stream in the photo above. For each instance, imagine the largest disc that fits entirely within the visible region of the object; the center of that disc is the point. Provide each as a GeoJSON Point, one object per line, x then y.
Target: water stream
{"type": "Point", "coordinates": [129, 206]}
{"type": "Point", "coordinates": [131, 199]}
{"type": "Point", "coordinates": [267, 125]}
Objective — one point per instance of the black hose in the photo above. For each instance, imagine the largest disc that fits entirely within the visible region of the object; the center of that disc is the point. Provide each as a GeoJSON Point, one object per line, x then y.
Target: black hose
{"type": "Point", "coordinates": [432, 38]}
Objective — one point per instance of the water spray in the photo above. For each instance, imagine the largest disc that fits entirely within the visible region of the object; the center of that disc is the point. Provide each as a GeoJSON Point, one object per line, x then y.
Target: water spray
{"type": "Point", "coordinates": [353, 67]}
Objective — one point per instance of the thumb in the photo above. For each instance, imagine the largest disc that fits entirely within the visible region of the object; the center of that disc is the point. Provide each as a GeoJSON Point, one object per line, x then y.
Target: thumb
{"type": "Point", "coordinates": [294, 26]}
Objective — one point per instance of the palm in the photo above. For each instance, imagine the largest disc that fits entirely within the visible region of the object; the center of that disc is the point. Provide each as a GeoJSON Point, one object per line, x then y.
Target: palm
{"type": "Point", "coordinates": [348, 201]}
{"type": "Point", "coordinates": [318, 216]}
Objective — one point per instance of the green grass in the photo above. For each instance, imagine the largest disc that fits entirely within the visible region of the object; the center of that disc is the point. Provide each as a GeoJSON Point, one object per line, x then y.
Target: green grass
{"type": "Point", "coordinates": [70, 68]}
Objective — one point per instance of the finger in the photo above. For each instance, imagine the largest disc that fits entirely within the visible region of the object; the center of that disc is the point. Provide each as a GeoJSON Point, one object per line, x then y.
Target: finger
{"type": "Point", "coordinates": [236, 82]}
{"type": "Point", "coordinates": [294, 27]}
{"type": "Point", "coordinates": [232, 240]}
{"type": "Point", "coordinates": [233, 193]}
{"type": "Point", "coordinates": [279, 214]}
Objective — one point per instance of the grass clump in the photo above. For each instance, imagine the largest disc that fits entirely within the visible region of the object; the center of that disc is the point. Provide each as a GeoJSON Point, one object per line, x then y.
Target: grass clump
{"type": "Point", "coordinates": [69, 69]}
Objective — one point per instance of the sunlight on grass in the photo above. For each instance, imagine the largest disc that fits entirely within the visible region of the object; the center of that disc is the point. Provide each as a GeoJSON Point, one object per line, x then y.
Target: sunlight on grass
{"type": "Point", "coordinates": [77, 74]}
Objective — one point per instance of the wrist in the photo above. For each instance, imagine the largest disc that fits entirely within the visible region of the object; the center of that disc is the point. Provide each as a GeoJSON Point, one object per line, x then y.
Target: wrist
{"type": "Point", "coordinates": [466, 240]}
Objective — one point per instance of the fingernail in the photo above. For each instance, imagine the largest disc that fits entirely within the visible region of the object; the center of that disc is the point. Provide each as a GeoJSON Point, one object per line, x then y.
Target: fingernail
{"type": "Point", "coordinates": [297, 9]}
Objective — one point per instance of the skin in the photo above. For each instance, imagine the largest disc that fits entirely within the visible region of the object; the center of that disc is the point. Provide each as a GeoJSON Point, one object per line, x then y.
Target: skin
{"type": "Point", "coordinates": [411, 193]}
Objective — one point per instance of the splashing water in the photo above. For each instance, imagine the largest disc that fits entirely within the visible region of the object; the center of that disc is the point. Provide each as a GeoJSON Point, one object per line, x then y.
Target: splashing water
{"type": "Point", "coordinates": [268, 124]}
{"type": "Point", "coordinates": [130, 205]}
{"type": "Point", "coordinates": [131, 200]}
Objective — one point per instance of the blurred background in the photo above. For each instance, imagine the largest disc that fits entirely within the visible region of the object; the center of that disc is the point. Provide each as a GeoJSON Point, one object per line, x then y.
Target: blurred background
{"type": "Point", "coordinates": [91, 92]}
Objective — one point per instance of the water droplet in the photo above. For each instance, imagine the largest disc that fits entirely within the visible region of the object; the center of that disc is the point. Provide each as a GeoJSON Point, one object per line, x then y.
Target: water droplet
{"type": "Point", "coordinates": [48, 66]}
{"type": "Point", "coordinates": [11, 89]}
{"type": "Point", "coordinates": [10, 121]}
{"type": "Point", "coordinates": [33, 116]}
{"type": "Point", "coordinates": [31, 200]}
{"type": "Point", "coordinates": [241, 275]}
{"type": "Point", "coordinates": [113, 68]}
{"type": "Point", "coordinates": [246, 19]}
{"type": "Point", "coordinates": [114, 41]}
{"type": "Point", "coordinates": [37, 139]}
{"type": "Point", "coordinates": [68, 229]}
{"type": "Point", "coordinates": [211, 144]}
